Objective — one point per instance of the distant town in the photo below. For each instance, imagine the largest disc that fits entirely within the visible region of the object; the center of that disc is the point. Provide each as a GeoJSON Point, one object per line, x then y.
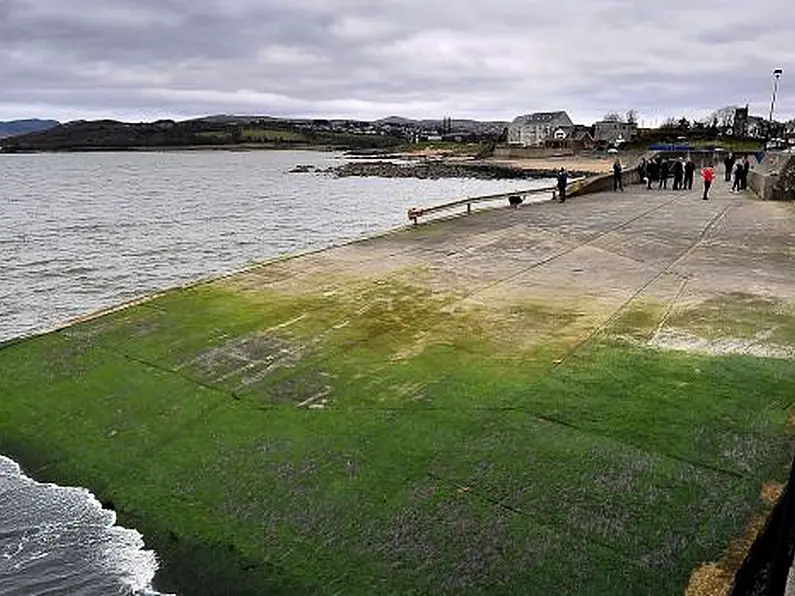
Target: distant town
{"type": "Point", "coordinates": [533, 134]}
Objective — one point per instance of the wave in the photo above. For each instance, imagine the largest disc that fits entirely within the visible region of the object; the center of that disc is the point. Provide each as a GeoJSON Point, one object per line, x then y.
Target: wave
{"type": "Point", "coordinates": [60, 540]}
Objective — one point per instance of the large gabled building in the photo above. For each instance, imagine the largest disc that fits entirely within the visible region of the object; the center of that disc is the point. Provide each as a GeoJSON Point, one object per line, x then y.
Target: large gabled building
{"type": "Point", "coordinates": [610, 131]}
{"type": "Point", "coordinates": [533, 130]}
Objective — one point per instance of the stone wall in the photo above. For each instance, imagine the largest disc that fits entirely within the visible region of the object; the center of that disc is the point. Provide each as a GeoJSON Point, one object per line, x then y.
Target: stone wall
{"type": "Point", "coordinates": [602, 183]}
{"type": "Point", "coordinates": [774, 185]}
{"type": "Point", "coordinates": [509, 152]}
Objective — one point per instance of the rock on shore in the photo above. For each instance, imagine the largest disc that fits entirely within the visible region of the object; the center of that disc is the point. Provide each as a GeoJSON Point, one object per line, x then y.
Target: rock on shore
{"type": "Point", "coordinates": [432, 169]}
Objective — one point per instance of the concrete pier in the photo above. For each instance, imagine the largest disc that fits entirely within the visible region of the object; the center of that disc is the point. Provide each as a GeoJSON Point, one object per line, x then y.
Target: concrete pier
{"type": "Point", "coordinates": [577, 398]}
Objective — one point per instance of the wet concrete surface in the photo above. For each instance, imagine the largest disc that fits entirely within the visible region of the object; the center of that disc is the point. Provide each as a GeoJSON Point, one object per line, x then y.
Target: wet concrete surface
{"type": "Point", "coordinates": [600, 253]}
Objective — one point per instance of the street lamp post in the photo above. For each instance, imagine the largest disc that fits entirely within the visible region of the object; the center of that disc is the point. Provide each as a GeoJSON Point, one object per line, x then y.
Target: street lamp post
{"type": "Point", "coordinates": [776, 76]}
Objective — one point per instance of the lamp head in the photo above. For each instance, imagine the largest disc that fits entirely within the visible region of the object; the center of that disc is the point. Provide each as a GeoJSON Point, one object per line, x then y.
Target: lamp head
{"type": "Point", "coordinates": [777, 72]}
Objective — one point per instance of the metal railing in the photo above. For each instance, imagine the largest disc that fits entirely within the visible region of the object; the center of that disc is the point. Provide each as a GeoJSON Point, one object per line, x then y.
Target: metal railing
{"type": "Point", "coordinates": [513, 198]}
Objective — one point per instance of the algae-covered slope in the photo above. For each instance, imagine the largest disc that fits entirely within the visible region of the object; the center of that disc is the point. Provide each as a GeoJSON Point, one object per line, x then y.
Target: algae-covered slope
{"type": "Point", "coordinates": [476, 405]}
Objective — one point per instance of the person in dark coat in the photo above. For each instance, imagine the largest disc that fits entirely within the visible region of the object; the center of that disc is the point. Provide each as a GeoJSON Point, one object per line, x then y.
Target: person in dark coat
{"type": "Point", "coordinates": [690, 169]}
{"type": "Point", "coordinates": [738, 177]}
{"type": "Point", "coordinates": [652, 172]}
{"type": "Point", "coordinates": [728, 163]}
{"type": "Point", "coordinates": [679, 173]}
{"type": "Point", "coordinates": [563, 179]}
{"type": "Point", "coordinates": [618, 183]}
{"type": "Point", "coordinates": [746, 169]}
{"type": "Point", "coordinates": [665, 171]}
{"type": "Point", "coordinates": [643, 170]}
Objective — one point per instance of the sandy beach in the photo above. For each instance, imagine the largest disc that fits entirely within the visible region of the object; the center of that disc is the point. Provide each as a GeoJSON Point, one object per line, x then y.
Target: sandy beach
{"type": "Point", "coordinates": [597, 165]}
{"type": "Point", "coordinates": [591, 163]}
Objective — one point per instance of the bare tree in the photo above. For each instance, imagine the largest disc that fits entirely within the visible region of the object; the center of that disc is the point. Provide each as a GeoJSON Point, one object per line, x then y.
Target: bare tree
{"type": "Point", "coordinates": [632, 117]}
{"type": "Point", "coordinates": [612, 117]}
{"type": "Point", "coordinates": [670, 123]}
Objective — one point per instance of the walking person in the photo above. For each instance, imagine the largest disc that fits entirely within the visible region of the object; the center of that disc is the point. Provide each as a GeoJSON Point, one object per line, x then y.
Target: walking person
{"type": "Point", "coordinates": [690, 169]}
{"type": "Point", "coordinates": [738, 177]}
{"type": "Point", "coordinates": [618, 183]}
{"type": "Point", "coordinates": [746, 169]}
{"type": "Point", "coordinates": [665, 171]}
{"type": "Point", "coordinates": [708, 174]}
{"type": "Point", "coordinates": [563, 178]}
{"type": "Point", "coordinates": [679, 174]}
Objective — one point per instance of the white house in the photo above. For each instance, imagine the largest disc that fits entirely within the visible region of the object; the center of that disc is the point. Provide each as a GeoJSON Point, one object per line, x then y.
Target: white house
{"type": "Point", "coordinates": [533, 129]}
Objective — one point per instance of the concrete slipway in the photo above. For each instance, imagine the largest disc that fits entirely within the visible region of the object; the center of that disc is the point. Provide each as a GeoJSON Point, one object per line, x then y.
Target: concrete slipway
{"type": "Point", "coordinates": [578, 398]}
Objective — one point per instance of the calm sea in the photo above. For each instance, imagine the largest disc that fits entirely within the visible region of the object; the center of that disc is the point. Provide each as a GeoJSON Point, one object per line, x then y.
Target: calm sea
{"type": "Point", "coordinates": [82, 231]}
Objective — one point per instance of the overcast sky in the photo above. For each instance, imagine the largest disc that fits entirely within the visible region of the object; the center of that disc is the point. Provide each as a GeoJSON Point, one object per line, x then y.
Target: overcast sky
{"type": "Point", "coordinates": [484, 59]}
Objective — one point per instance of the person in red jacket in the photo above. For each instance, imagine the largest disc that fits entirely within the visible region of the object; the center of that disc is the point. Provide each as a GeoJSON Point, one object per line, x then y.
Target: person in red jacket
{"type": "Point", "coordinates": [708, 174]}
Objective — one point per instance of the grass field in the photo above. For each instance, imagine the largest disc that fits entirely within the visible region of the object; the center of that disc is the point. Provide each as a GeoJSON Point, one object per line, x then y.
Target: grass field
{"type": "Point", "coordinates": [376, 440]}
{"type": "Point", "coordinates": [264, 135]}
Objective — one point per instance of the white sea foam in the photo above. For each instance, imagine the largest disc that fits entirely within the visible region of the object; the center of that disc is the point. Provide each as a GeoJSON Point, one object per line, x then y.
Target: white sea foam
{"type": "Point", "coordinates": [54, 537]}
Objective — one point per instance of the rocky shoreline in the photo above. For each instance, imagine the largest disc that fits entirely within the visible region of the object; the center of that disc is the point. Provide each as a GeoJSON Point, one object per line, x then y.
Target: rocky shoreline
{"type": "Point", "coordinates": [432, 169]}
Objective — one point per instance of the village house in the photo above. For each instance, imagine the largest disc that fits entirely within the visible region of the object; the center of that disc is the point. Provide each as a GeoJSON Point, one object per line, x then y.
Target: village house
{"type": "Point", "coordinates": [789, 132]}
{"type": "Point", "coordinates": [756, 127]}
{"type": "Point", "coordinates": [609, 132]}
{"type": "Point", "coordinates": [575, 138]}
{"type": "Point", "coordinates": [533, 130]}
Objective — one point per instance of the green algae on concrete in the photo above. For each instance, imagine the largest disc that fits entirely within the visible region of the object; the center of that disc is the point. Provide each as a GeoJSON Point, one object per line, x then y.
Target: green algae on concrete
{"type": "Point", "coordinates": [740, 315]}
{"type": "Point", "coordinates": [442, 470]}
{"type": "Point", "coordinates": [302, 428]}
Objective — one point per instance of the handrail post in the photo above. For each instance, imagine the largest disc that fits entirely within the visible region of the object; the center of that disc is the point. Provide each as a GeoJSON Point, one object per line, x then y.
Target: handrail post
{"type": "Point", "coordinates": [469, 208]}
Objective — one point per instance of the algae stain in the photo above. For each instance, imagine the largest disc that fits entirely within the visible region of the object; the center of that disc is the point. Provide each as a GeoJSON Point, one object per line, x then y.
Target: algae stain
{"type": "Point", "coordinates": [406, 336]}
{"type": "Point", "coordinates": [638, 322]}
{"type": "Point", "coordinates": [542, 316]}
{"type": "Point", "coordinates": [739, 315]}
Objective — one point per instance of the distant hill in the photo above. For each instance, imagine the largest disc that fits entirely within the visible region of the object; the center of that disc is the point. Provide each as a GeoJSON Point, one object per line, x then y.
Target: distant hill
{"type": "Point", "coordinates": [212, 131]}
{"type": "Point", "coordinates": [232, 119]}
{"type": "Point", "coordinates": [395, 120]}
{"type": "Point", "coordinates": [231, 130]}
{"type": "Point", "coordinates": [20, 127]}
{"type": "Point", "coordinates": [462, 125]}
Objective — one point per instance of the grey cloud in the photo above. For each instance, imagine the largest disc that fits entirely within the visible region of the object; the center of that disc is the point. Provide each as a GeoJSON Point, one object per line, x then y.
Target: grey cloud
{"type": "Point", "coordinates": [359, 58]}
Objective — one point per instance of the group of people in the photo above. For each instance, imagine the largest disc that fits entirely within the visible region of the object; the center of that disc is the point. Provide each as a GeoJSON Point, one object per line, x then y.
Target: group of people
{"type": "Point", "coordinates": [738, 169]}
{"type": "Point", "coordinates": [682, 171]}
{"type": "Point", "coordinates": [659, 170]}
